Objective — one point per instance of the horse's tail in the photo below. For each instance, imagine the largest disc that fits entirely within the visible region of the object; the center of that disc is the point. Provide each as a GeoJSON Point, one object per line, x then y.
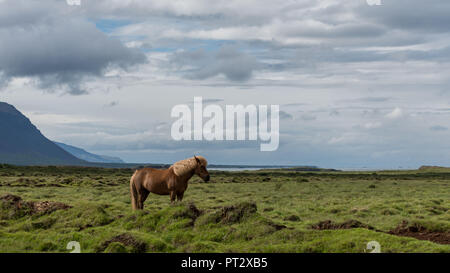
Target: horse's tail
{"type": "Point", "coordinates": [133, 193]}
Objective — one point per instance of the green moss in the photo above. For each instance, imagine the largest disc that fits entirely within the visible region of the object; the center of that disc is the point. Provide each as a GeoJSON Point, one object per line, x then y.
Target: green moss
{"type": "Point", "coordinates": [116, 247]}
{"type": "Point", "coordinates": [47, 246]}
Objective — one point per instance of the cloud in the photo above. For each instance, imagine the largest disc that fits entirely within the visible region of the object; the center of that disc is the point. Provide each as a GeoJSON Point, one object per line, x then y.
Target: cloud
{"type": "Point", "coordinates": [334, 112]}
{"type": "Point", "coordinates": [438, 128]}
{"type": "Point", "coordinates": [308, 117]}
{"type": "Point", "coordinates": [227, 61]}
{"type": "Point", "coordinates": [374, 99]}
{"type": "Point", "coordinates": [112, 104]}
{"type": "Point", "coordinates": [300, 37]}
{"type": "Point", "coordinates": [206, 101]}
{"type": "Point", "coordinates": [395, 114]}
{"type": "Point", "coordinates": [294, 104]}
{"type": "Point", "coordinates": [57, 51]}
{"type": "Point", "coordinates": [416, 15]}
{"type": "Point", "coordinates": [285, 115]}
{"type": "Point", "coordinates": [372, 125]}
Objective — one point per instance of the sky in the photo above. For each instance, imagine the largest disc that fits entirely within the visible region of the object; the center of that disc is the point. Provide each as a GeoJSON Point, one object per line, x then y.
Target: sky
{"type": "Point", "coordinates": [358, 85]}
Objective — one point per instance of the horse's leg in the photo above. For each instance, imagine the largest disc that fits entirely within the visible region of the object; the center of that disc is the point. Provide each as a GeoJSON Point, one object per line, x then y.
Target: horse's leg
{"type": "Point", "coordinates": [134, 195]}
{"type": "Point", "coordinates": [180, 196]}
{"type": "Point", "coordinates": [142, 196]}
{"type": "Point", "coordinates": [173, 195]}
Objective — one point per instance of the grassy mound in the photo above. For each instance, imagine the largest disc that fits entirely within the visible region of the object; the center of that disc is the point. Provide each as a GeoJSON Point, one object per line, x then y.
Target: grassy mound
{"type": "Point", "coordinates": [12, 207]}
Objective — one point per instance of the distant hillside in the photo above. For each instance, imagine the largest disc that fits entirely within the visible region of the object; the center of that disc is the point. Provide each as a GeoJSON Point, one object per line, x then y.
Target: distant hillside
{"type": "Point", "coordinates": [434, 168]}
{"type": "Point", "coordinates": [90, 157]}
{"type": "Point", "coordinates": [21, 143]}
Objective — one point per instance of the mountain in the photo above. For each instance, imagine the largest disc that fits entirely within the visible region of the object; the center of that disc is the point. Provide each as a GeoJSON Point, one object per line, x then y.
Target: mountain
{"type": "Point", "coordinates": [21, 143]}
{"type": "Point", "coordinates": [90, 157]}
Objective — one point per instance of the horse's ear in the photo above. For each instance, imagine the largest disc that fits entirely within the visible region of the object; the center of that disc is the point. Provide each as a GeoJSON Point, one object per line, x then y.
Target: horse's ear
{"type": "Point", "coordinates": [196, 159]}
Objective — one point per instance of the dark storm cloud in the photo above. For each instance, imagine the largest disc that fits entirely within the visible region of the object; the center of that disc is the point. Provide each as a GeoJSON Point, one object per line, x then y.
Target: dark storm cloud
{"type": "Point", "coordinates": [227, 60]}
{"type": "Point", "coordinates": [59, 52]}
{"type": "Point", "coordinates": [24, 13]}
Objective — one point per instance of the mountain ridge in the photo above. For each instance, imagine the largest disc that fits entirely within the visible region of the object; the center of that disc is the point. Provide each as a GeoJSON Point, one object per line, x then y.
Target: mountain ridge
{"type": "Point", "coordinates": [22, 143]}
{"type": "Point", "coordinates": [87, 156]}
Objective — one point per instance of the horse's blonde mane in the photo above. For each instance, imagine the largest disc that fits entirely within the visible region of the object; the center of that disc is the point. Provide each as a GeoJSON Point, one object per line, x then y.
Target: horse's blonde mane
{"type": "Point", "coordinates": [186, 165]}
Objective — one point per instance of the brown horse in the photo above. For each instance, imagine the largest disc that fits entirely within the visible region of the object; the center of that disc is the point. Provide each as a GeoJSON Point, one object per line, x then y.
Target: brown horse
{"type": "Point", "coordinates": [173, 181]}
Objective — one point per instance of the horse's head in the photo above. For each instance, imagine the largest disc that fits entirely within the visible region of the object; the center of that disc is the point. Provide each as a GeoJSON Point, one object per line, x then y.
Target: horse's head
{"type": "Point", "coordinates": [201, 170]}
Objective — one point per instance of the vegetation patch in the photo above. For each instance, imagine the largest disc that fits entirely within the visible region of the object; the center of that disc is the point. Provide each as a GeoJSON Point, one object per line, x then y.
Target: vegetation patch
{"type": "Point", "coordinates": [12, 206]}
{"type": "Point", "coordinates": [123, 243]}
{"type": "Point", "coordinates": [420, 232]}
{"type": "Point", "coordinates": [292, 218]}
{"type": "Point", "coordinates": [189, 211]}
{"type": "Point", "coordinates": [328, 224]}
{"type": "Point", "coordinates": [232, 214]}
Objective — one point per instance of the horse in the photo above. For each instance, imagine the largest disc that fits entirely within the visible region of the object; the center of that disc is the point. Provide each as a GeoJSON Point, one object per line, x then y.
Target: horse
{"type": "Point", "coordinates": [172, 181]}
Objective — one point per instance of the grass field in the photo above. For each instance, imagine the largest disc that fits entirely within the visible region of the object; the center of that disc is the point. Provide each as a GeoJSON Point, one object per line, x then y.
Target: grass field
{"type": "Point", "coordinates": [254, 211]}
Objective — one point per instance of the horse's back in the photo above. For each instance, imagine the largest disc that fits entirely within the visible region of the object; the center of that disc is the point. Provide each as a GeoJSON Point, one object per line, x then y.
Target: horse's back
{"type": "Point", "coordinates": [154, 180]}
